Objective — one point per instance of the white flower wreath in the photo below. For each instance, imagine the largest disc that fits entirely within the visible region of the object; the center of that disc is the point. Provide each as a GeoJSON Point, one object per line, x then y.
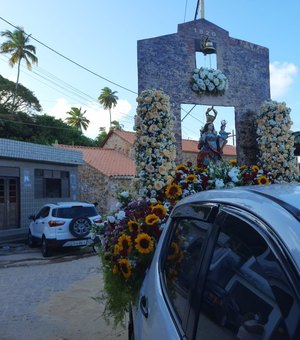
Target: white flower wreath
{"type": "Point", "coordinates": [209, 81]}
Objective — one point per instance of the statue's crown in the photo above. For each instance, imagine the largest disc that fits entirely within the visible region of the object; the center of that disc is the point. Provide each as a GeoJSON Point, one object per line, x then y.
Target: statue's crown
{"type": "Point", "coordinates": [211, 117]}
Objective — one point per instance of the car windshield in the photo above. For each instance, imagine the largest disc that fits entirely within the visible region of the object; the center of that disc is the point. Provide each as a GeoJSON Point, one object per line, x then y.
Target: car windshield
{"type": "Point", "coordinates": [72, 212]}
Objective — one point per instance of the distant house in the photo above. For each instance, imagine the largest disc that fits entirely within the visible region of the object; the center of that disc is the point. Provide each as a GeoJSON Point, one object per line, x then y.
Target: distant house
{"type": "Point", "coordinates": [31, 175]}
{"type": "Point", "coordinates": [111, 166]}
{"type": "Point", "coordinates": [104, 171]}
{"type": "Point", "coordinates": [122, 141]}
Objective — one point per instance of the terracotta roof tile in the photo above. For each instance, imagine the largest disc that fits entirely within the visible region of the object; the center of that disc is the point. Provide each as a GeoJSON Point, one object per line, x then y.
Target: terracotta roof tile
{"type": "Point", "coordinates": [113, 163]}
{"type": "Point", "coordinates": [188, 145]}
{"type": "Point", "coordinates": [107, 161]}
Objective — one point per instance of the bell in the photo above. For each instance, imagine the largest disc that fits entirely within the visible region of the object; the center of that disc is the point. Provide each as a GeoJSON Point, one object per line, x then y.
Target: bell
{"type": "Point", "coordinates": [207, 47]}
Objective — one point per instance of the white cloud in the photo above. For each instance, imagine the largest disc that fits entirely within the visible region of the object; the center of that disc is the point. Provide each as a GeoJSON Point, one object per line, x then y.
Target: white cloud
{"type": "Point", "coordinates": [97, 116]}
{"type": "Point", "coordinates": [282, 76]}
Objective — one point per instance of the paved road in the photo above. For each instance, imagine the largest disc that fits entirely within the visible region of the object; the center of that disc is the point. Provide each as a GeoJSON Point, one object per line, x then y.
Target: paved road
{"type": "Point", "coordinates": [52, 299]}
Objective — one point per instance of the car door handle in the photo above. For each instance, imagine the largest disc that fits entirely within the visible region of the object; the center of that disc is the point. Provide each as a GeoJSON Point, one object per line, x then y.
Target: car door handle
{"type": "Point", "coordinates": [143, 306]}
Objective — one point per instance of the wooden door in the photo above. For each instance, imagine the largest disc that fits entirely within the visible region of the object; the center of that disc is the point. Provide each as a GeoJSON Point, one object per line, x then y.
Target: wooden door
{"type": "Point", "coordinates": [9, 203]}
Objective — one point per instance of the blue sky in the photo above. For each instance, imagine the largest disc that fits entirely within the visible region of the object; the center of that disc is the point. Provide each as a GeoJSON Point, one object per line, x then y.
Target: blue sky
{"type": "Point", "coordinates": [102, 37]}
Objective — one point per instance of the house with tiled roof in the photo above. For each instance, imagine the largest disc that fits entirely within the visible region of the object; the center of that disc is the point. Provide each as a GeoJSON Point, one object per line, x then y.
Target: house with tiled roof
{"type": "Point", "coordinates": [111, 166]}
{"type": "Point", "coordinates": [123, 141]}
{"type": "Point", "coordinates": [103, 173]}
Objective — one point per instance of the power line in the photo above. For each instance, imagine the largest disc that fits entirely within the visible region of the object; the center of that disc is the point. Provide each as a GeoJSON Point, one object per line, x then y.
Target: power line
{"type": "Point", "coordinates": [34, 124]}
{"type": "Point", "coordinates": [186, 2]}
{"type": "Point", "coordinates": [62, 88]}
{"type": "Point", "coordinates": [72, 61]}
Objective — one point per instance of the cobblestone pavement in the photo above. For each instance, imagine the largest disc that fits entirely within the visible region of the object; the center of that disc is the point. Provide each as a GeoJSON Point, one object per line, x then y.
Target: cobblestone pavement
{"type": "Point", "coordinates": [53, 299]}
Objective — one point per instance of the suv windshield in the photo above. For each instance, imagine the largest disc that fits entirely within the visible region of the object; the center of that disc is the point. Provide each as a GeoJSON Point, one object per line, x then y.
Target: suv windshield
{"type": "Point", "coordinates": [73, 212]}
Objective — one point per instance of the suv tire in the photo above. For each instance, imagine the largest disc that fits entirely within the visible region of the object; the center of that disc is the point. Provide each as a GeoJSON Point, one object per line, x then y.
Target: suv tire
{"type": "Point", "coordinates": [30, 240]}
{"type": "Point", "coordinates": [45, 247]}
{"type": "Point", "coordinates": [80, 227]}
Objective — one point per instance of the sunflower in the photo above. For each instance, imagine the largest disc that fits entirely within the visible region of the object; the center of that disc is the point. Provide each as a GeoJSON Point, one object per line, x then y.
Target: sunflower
{"type": "Point", "coordinates": [151, 219]}
{"type": "Point", "coordinates": [255, 168]}
{"type": "Point", "coordinates": [173, 191]}
{"type": "Point", "coordinates": [125, 268]}
{"type": "Point", "coordinates": [181, 167]}
{"type": "Point", "coordinates": [115, 269]}
{"type": "Point", "coordinates": [233, 162]}
{"type": "Point", "coordinates": [262, 180]}
{"type": "Point", "coordinates": [144, 243]}
{"type": "Point", "coordinates": [174, 252]}
{"type": "Point", "coordinates": [201, 169]}
{"type": "Point", "coordinates": [125, 243]}
{"type": "Point", "coordinates": [191, 178]}
{"type": "Point", "coordinates": [116, 249]}
{"type": "Point", "coordinates": [133, 226]}
{"type": "Point", "coordinates": [159, 210]}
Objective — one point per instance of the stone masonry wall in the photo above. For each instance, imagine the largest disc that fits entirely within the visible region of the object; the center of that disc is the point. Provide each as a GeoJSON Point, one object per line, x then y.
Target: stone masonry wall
{"type": "Point", "coordinates": [167, 63]}
{"type": "Point", "coordinates": [119, 144]}
{"type": "Point", "coordinates": [96, 187]}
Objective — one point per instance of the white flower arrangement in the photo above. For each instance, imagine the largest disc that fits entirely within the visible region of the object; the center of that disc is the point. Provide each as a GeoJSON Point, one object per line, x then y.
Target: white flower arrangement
{"type": "Point", "coordinates": [209, 81]}
{"type": "Point", "coordinates": [155, 149]}
{"type": "Point", "coordinates": [276, 142]}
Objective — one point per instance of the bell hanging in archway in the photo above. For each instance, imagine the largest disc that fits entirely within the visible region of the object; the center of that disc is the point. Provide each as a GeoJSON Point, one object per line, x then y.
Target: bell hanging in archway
{"type": "Point", "coordinates": [207, 46]}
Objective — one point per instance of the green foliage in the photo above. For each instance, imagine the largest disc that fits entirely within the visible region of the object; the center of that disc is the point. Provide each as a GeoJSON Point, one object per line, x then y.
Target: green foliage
{"type": "Point", "coordinates": [118, 297]}
{"type": "Point", "coordinates": [101, 136]}
{"type": "Point", "coordinates": [77, 119]}
{"type": "Point", "coordinates": [17, 45]}
{"type": "Point", "coordinates": [41, 129]}
{"type": "Point", "coordinates": [115, 125]}
{"type": "Point", "coordinates": [25, 100]}
{"type": "Point", "coordinates": [108, 99]}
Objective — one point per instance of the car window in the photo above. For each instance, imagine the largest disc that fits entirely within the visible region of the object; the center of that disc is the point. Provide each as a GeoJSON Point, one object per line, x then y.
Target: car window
{"type": "Point", "coordinates": [73, 212]}
{"type": "Point", "coordinates": [181, 262]}
{"type": "Point", "coordinates": [44, 212]}
{"type": "Point", "coordinates": [247, 294]}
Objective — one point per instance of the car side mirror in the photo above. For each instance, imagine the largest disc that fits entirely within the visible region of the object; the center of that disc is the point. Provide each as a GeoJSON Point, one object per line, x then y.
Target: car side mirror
{"type": "Point", "coordinates": [32, 217]}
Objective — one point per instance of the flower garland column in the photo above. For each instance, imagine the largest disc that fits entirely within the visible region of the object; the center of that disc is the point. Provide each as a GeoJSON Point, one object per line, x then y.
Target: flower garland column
{"type": "Point", "coordinates": [276, 142]}
{"type": "Point", "coordinates": [155, 149]}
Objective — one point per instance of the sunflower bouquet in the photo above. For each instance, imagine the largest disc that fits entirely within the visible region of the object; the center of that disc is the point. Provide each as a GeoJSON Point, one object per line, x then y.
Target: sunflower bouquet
{"type": "Point", "coordinates": [128, 240]}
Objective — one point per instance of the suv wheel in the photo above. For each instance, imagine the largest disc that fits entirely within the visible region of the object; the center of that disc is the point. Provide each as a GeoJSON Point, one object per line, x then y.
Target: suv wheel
{"type": "Point", "coordinates": [80, 227]}
{"type": "Point", "coordinates": [31, 241]}
{"type": "Point", "coordinates": [45, 247]}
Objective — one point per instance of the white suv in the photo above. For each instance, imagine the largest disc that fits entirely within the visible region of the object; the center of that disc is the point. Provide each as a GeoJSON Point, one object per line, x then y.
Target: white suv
{"type": "Point", "coordinates": [62, 224]}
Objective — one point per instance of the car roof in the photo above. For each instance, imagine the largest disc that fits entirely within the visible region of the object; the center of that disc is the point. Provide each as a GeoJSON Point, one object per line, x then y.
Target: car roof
{"type": "Point", "coordinates": [69, 204]}
{"type": "Point", "coordinates": [278, 205]}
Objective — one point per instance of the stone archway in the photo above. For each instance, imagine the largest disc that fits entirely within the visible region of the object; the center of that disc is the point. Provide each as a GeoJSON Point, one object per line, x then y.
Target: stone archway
{"type": "Point", "coordinates": [167, 62]}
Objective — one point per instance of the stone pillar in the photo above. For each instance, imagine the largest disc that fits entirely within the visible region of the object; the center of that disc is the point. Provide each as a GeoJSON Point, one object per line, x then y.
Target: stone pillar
{"type": "Point", "coordinates": [247, 148]}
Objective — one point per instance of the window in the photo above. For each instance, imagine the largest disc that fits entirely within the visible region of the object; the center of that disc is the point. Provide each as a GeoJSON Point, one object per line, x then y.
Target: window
{"type": "Point", "coordinates": [181, 261]}
{"type": "Point", "coordinates": [73, 212]}
{"type": "Point", "coordinates": [44, 212]}
{"type": "Point", "coordinates": [51, 183]}
{"type": "Point", "coordinates": [246, 295]}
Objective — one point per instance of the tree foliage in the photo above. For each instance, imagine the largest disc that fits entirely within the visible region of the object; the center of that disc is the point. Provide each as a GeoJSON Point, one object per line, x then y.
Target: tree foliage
{"type": "Point", "coordinates": [17, 45]}
{"type": "Point", "coordinates": [25, 101]}
{"type": "Point", "coordinates": [77, 119]}
{"type": "Point", "coordinates": [108, 99]}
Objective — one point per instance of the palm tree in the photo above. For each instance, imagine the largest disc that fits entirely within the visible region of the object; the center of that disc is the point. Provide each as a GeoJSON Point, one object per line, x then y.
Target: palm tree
{"type": "Point", "coordinates": [77, 119]}
{"type": "Point", "coordinates": [115, 125]}
{"type": "Point", "coordinates": [17, 45]}
{"type": "Point", "coordinates": [108, 99]}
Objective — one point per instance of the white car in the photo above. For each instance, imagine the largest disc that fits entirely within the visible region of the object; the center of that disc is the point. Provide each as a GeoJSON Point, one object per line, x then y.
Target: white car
{"type": "Point", "coordinates": [62, 224]}
{"type": "Point", "coordinates": [227, 266]}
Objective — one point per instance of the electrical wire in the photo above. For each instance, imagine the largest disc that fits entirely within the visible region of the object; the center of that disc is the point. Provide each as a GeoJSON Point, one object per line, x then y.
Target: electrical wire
{"type": "Point", "coordinates": [70, 60]}
{"type": "Point", "coordinates": [186, 2]}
